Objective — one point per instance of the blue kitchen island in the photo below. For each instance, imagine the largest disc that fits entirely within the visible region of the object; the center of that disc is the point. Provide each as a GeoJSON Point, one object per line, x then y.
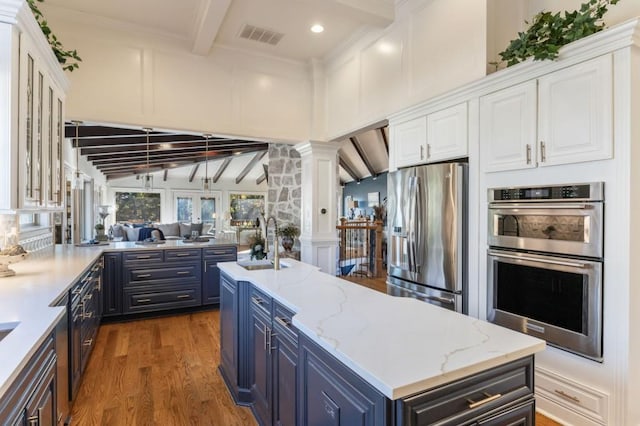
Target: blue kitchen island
{"type": "Point", "coordinates": [303, 347]}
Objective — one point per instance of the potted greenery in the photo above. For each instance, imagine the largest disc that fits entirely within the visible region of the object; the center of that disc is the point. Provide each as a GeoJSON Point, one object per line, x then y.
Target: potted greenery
{"type": "Point", "coordinates": [100, 236]}
{"type": "Point", "coordinates": [550, 31]}
{"type": "Point", "coordinates": [288, 233]}
{"type": "Point", "coordinates": [257, 246]}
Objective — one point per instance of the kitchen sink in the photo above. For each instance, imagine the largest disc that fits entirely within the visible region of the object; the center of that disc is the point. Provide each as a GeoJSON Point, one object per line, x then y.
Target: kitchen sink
{"type": "Point", "coordinates": [6, 328]}
{"type": "Point", "coordinates": [259, 265]}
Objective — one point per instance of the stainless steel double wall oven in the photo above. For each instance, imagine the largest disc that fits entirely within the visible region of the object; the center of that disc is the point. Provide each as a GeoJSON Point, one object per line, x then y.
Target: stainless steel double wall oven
{"type": "Point", "coordinates": [545, 263]}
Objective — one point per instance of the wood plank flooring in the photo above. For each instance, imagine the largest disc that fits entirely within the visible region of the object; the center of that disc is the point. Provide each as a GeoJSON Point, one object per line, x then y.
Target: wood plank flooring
{"type": "Point", "coordinates": [163, 371]}
{"type": "Point", "coordinates": [157, 372]}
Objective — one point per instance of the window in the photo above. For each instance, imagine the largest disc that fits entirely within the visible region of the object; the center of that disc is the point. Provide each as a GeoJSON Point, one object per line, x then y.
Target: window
{"type": "Point", "coordinates": [137, 207]}
{"type": "Point", "coordinates": [197, 207]}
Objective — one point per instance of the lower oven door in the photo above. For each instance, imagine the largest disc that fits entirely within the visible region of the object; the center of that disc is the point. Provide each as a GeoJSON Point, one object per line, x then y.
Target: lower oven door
{"type": "Point", "coordinates": [553, 298]}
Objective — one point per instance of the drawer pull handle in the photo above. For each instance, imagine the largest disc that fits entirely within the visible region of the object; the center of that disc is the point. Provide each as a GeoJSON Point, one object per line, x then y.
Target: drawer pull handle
{"type": "Point", "coordinates": [257, 301]}
{"type": "Point", "coordinates": [144, 275]}
{"type": "Point", "coordinates": [144, 300]}
{"type": "Point", "coordinates": [143, 257]}
{"type": "Point", "coordinates": [283, 322]}
{"type": "Point", "coordinates": [33, 420]}
{"type": "Point", "coordinates": [87, 315]}
{"type": "Point", "coordinates": [183, 272]}
{"type": "Point", "coordinates": [88, 342]}
{"type": "Point", "coordinates": [566, 395]}
{"type": "Point", "coordinates": [88, 297]}
{"type": "Point", "coordinates": [488, 399]}
{"type": "Point", "coordinates": [183, 254]}
{"type": "Point", "coordinates": [184, 296]}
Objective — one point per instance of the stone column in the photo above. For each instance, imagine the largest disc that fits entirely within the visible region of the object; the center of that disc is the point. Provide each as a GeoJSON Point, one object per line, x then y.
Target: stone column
{"type": "Point", "coordinates": [284, 184]}
{"type": "Point", "coordinates": [318, 239]}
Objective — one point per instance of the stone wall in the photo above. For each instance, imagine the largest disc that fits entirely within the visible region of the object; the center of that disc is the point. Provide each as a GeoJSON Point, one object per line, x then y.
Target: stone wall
{"type": "Point", "coordinates": [285, 184]}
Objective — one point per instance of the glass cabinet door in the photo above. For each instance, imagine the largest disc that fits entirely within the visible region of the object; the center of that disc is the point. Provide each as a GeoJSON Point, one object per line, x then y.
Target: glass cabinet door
{"type": "Point", "coordinates": [29, 130]}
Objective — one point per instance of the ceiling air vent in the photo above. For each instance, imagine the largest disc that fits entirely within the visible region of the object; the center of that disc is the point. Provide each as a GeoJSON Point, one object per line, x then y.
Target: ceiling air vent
{"type": "Point", "coordinates": [262, 35]}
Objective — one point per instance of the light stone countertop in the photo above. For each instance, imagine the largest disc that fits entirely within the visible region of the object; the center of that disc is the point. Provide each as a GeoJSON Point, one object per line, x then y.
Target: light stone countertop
{"type": "Point", "coordinates": [400, 346]}
{"type": "Point", "coordinates": [28, 298]}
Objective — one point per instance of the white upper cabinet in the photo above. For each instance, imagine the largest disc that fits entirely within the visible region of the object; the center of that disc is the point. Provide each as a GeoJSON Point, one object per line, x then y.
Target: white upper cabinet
{"type": "Point", "coordinates": [438, 136]}
{"type": "Point", "coordinates": [447, 136]}
{"type": "Point", "coordinates": [508, 128]}
{"type": "Point", "coordinates": [575, 113]}
{"type": "Point", "coordinates": [573, 123]}
{"type": "Point", "coordinates": [409, 140]}
{"type": "Point", "coordinates": [34, 110]}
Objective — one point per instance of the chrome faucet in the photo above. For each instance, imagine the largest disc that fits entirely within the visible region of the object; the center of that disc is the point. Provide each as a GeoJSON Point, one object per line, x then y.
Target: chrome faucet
{"type": "Point", "coordinates": [276, 255]}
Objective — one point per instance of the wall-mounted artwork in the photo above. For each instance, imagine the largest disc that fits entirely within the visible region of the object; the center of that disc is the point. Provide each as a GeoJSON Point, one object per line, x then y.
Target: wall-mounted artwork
{"type": "Point", "coordinates": [245, 208]}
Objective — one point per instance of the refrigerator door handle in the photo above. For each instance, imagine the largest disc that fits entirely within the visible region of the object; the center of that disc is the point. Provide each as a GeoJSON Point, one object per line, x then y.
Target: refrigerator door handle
{"type": "Point", "coordinates": [413, 206]}
{"type": "Point", "coordinates": [418, 243]}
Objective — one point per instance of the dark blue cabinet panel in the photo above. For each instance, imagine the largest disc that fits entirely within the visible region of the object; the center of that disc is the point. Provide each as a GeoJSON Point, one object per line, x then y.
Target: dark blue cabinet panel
{"type": "Point", "coordinates": [211, 272]}
{"type": "Point", "coordinates": [285, 385]}
{"type": "Point", "coordinates": [330, 394]}
{"type": "Point", "coordinates": [112, 284]}
{"type": "Point", "coordinates": [234, 360]}
{"type": "Point", "coordinates": [260, 364]}
{"type": "Point", "coordinates": [31, 398]}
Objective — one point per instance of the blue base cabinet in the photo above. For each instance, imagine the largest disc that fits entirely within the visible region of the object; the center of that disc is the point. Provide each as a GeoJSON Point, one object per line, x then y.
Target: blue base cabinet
{"type": "Point", "coordinates": [31, 399]}
{"type": "Point", "coordinates": [333, 395]}
{"type": "Point", "coordinates": [112, 285]}
{"type": "Point", "coordinates": [143, 282]}
{"type": "Point", "coordinates": [288, 379]}
{"type": "Point", "coordinates": [211, 272]}
{"type": "Point", "coordinates": [233, 342]}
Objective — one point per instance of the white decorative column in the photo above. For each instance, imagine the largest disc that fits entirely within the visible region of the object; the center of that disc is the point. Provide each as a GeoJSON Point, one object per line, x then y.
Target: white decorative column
{"type": "Point", "coordinates": [318, 239]}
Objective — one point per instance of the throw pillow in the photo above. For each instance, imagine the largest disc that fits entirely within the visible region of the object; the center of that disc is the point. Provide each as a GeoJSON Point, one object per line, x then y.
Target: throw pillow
{"type": "Point", "coordinates": [196, 227]}
{"type": "Point", "coordinates": [132, 233]}
{"type": "Point", "coordinates": [185, 229]}
{"type": "Point", "coordinates": [170, 229]}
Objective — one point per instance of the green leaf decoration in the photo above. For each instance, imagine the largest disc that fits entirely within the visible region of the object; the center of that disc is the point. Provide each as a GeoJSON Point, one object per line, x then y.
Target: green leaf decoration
{"type": "Point", "coordinates": [58, 49]}
{"type": "Point", "coordinates": [549, 32]}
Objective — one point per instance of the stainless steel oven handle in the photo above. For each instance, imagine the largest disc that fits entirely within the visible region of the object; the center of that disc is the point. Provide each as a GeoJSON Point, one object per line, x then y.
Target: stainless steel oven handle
{"type": "Point", "coordinates": [554, 206]}
{"type": "Point", "coordinates": [538, 259]}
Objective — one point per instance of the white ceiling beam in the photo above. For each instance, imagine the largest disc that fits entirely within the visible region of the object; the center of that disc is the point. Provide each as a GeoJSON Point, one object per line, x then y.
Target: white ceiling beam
{"type": "Point", "coordinates": [380, 13]}
{"type": "Point", "coordinates": [211, 16]}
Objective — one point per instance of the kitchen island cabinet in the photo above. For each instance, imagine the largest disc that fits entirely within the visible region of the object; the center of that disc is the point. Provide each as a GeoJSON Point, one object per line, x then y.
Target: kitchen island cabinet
{"type": "Point", "coordinates": [351, 364]}
{"type": "Point", "coordinates": [31, 400]}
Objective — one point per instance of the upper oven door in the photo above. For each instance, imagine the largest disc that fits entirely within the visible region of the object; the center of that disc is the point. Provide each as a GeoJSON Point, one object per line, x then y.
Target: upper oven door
{"type": "Point", "coordinates": [565, 228]}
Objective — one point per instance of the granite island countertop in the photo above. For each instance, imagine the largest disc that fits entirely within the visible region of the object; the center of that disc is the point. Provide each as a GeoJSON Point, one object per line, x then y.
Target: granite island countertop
{"type": "Point", "coordinates": [28, 298]}
{"type": "Point", "coordinates": [400, 346]}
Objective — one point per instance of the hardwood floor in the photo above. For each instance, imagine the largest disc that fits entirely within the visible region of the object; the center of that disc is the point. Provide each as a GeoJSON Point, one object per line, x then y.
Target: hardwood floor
{"type": "Point", "coordinates": [157, 372]}
{"type": "Point", "coordinates": [163, 371]}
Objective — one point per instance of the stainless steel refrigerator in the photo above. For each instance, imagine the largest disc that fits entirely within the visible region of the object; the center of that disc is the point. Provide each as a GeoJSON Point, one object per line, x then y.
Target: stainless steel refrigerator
{"type": "Point", "coordinates": [427, 234]}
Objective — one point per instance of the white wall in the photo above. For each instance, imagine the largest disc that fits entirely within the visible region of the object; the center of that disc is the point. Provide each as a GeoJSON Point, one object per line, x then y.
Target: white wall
{"type": "Point", "coordinates": [623, 11]}
{"type": "Point", "coordinates": [129, 77]}
{"type": "Point", "coordinates": [432, 47]}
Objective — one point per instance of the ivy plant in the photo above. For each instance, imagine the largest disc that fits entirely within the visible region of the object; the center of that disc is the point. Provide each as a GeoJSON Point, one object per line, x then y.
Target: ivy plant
{"type": "Point", "coordinates": [550, 31]}
{"type": "Point", "coordinates": [67, 58]}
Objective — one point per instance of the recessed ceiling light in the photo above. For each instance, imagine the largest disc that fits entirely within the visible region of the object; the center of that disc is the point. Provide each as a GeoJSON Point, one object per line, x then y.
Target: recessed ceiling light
{"type": "Point", "coordinates": [317, 28]}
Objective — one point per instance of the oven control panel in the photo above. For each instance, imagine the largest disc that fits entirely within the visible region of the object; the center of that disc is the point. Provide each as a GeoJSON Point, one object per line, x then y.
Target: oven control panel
{"type": "Point", "coordinates": [586, 191]}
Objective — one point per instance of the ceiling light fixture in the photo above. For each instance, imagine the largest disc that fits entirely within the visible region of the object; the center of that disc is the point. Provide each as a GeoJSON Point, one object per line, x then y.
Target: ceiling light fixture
{"type": "Point", "coordinates": [317, 28]}
{"type": "Point", "coordinates": [147, 182]}
{"type": "Point", "coordinates": [206, 181]}
{"type": "Point", "coordinates": [76, 182]}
